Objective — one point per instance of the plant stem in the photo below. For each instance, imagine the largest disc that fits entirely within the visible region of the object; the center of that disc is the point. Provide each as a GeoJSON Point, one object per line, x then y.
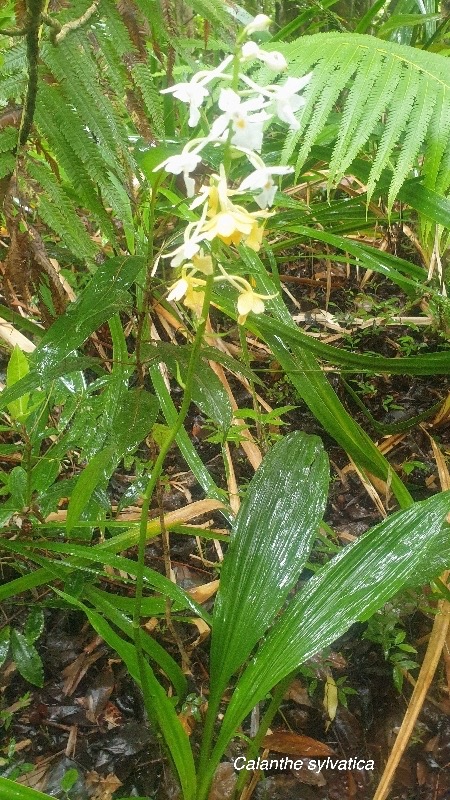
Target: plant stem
{"type": "Point", "coordinates": [148, 494]}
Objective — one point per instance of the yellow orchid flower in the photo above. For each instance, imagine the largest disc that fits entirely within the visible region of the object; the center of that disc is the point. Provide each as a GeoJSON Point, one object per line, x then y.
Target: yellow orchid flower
{"type": "Point", "coordinates": [229, 222]}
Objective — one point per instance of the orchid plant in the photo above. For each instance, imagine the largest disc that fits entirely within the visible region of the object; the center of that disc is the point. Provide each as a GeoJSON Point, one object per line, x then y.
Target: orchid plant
{"type": "Point", "coordinates": [246, 111]}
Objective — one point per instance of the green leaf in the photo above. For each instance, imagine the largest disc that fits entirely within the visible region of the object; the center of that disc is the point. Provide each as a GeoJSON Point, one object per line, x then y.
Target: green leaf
{"type": "Point", "coordinates": [105, 294]}
{"type": "Point", "coordinates": [27, 658]}
{"type": "Point", "coordinates": [426, 364]}
{"type": "Point", "coordinates": [398, 78]}
{"type": "Point", "coordinates": [4, 644]}
{"type": "Point", "coordinates": [9, 790]}
{"type": "Point", "coordinates": [156, 652]}
{"type": "Point", "coordinates": [408, 548]}
{"type": "Point", "coordinates": [271, 540]}
{"type": "Point", "coordinates": [306, 375]}
{"type": "Point", "coordinates": [34, 624]}
{"type": "Point", "coordinates": [18, 487]}
{"type": "Point", "coordinates": [17, 369]}
{"type": "Point", "coordinates": [187, 449]}
{"type": "Point", "coordinates": [133, 421]}
{"type": "Point", "coordinates": [162, 709]}
{"type": "Point", "coordinates": [35, 378]}
{"type": "Point", "coordinates": [87, 484]}
{"type": "Point", "coordinates": [69, 779]}
{"type": "Point", "coordinates": [208, 393]}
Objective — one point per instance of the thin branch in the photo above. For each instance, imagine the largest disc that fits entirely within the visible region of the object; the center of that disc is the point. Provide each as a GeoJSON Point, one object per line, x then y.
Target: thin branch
{"type": "Point", "coordinates": [14, 32]}
{"type": "Point", "coordinates": [76, 23]}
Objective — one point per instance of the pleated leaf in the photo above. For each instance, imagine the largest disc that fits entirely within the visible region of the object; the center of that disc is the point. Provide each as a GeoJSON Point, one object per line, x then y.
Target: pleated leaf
{"type": "Point", "coordinates": [271, 540]}
{"type": "Point", "coordinates": [410, 547]}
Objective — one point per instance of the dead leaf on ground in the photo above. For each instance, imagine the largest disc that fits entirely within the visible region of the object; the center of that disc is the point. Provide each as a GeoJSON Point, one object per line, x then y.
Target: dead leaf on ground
{"type": "Point", "coordinates": [103, 786]}
{"type": "Point", "coordinates": [294, 744]}
{"type": "Point", "coordinates": [224, 782]}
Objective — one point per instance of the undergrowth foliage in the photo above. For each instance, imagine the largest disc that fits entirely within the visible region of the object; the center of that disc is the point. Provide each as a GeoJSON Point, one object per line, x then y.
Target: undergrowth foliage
{"type": "Point", "coordinates": [142, 155]}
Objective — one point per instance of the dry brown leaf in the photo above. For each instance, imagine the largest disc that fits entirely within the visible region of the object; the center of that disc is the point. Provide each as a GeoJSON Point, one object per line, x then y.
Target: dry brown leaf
{"type": "Point", "coordinates": [203, 629]}
{"type": "Point", "coordinates": [294, 744]}
{"type": "Point", "coordinates": [202, 593]}
{"type": "Point", "coordinates": [76, 671]}
{"type": "Point", "coordinates": [103, 786]}
{"type": "Point", "coordinates": [224, 782]}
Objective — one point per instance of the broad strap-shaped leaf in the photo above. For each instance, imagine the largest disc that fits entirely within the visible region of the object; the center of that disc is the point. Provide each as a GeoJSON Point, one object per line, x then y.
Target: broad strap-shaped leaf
{"type": "Point", "coordinates": [410, 87]}
{"type": "Point", "coordinates": [410, 547]}
{"type": "Point", "coordinates": [271, 540]}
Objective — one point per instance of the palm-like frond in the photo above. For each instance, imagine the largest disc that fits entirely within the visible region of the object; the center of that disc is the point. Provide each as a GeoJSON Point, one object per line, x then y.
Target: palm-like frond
{"type": "Point", "coordinates": [373, 80]}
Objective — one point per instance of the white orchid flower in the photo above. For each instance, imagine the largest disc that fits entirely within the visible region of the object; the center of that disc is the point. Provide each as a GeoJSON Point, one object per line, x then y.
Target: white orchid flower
{"type": "Point", "coordinates": [249, 301]}
{"type": "Point", "coordinates": [247, 127]}
{"type": "Point", "coordinates": [274, 59]}
{"type": "Point", "coordinates": [192, 93]}
{"type": "Point", "coordinates": [195, 92]}
{"type": "Point", "coordinates": [262, 179]}
{"type": "Point", "coordinates": [286, 99]}
{"type": "Point", "coordinates": [184, 163]}
{"type": "Point", "coordinates": [192, 239]}
{"type": "Point", "coordinates": [178, 290]}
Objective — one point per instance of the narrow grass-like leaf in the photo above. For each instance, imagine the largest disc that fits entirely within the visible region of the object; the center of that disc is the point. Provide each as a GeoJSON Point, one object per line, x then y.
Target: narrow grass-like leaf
{"type": "Point", "coordinates": [156, 652]}
{"type": "Point", "coordinates": [187, 449]}
{"type": "Point", "coordinates": [175, 737]}
{"type": "Point", "coordinates": [100, 554]}
{"type": "Point", "coordinates": [426, 364]}
{"type": "Point", "coordinates": [306, 374]}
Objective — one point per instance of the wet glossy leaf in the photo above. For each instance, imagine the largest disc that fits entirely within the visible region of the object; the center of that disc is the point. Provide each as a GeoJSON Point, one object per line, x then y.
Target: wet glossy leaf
{"type": "Point", "coordinates": [27, 658]}
{"type": "Point", "coordinates": [270, 542]}
{"type": "Point", "coordinates": [156, 652]}
{"type": "Point", "coordinates": [34, 379]}
{"type": "Point", "coordinates": [133, 421]}
{"type": "Point", "coordinates": [86, 485]}
{"type": "Point", "coordinates": [208, 392]}
{"type": "Point", "coordinates": [17, 369]}
{"type": "Point", "coordinates": [4, 644]}
{"type": "Point", "coordinates": [306, 374]}
{"type": "Point", "coordinates": [408, 548]}
{"type": "Point", "coordinates": [9, 790]}
{"type": "Point", "coordinates": [105, 294]}
{"type": "Point", "coordinates": [34, 624]}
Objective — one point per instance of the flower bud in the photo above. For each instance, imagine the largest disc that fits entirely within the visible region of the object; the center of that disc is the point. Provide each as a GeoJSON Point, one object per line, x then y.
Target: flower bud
{"type": "Point", "coordinates": [260, 23]}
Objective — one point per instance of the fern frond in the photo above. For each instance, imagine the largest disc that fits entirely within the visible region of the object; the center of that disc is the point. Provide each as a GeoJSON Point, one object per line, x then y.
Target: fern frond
{"type": "Point", "coordinates": [144, 81]}
{"type": "Point", "coordinates": [7, 164]}
{"type": "Point", "coordinates": [8, 139]}
{"type": "Point", "coordinates": [410, 88]}
{"type": "Point", "coordinates": [57, 211]}
{"type": "Point", "coordinates": [214, 11]}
